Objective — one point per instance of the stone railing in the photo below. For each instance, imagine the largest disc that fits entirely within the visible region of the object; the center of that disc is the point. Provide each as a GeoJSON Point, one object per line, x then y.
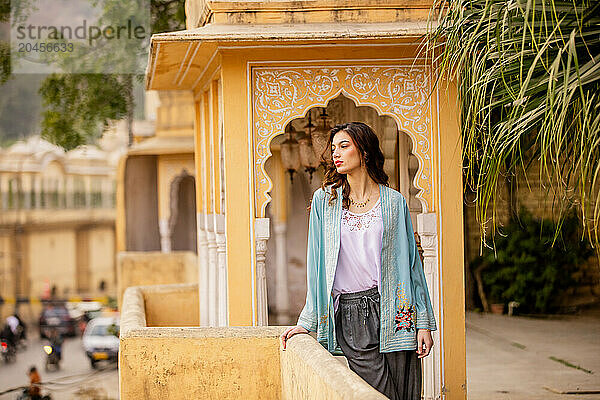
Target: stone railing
{"type": "Point", "coordinates": [181, 361]}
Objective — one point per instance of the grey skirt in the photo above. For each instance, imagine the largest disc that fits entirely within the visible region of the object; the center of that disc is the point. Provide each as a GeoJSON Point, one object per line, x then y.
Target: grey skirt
{"type": "Point", "coordinates": [397, 374]}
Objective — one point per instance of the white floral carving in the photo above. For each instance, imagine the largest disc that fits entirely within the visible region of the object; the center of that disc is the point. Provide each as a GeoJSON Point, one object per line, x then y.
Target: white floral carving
{"type": "Point", "coordinates": [284, 93]}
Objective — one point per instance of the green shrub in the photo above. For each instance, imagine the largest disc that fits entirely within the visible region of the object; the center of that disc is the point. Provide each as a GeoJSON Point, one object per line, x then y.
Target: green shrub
{"type": "Point", "coordinates": [527, 268]}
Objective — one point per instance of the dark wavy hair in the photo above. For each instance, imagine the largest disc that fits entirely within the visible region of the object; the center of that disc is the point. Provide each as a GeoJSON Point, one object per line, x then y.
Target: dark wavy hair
{"type": "Point", "coordinates": [366, 141]}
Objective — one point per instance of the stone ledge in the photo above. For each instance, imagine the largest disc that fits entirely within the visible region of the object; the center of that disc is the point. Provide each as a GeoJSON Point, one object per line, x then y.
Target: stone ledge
{"type": "Point", "coordinates": [192, 358]}
{"type": "Point", "coordinates": [309, 371]}
{"type": "Point", "coordinates": [277, 32]}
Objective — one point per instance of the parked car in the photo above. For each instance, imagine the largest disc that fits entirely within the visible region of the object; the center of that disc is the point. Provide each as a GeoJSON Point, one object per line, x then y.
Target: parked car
{"type": "Point", "coordinates": [101, 339]}
{"type": "Point", "coordinates": [56, 315]}
{"type": "Point", "coordinates": [84, 311]}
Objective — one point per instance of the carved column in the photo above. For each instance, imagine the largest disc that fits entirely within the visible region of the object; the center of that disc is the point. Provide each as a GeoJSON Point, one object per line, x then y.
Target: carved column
{"type": "Point", "coordinates": [281, 281]}
{"type": "Point", "coordinates": [261, 230]}
{"type": "Point", "coordinates": [212, 272]}
{"type": "Point", "coordinates": [221, 251]}
{"type": "Point", "coordinates": [165, 235]}
{"type": "Point", "coordinates": [202, 268]}
{"type": "Point", "coordinates": [427, 229]}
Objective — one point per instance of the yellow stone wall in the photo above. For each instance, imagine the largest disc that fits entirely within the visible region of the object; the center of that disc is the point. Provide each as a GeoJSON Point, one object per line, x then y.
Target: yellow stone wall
{"type": "Point", "coordinates": [56, 256]}
{"type": "Point", "coordinates": [181, 362]}
{"type": "Point", "coordinates": [175, 114]}
{"type": "Point", "coordinates": [448, 198]}
{"type": "Point", "coordinates": [171, 305]}
{"type": "Point", "coordinates": [197, 367]}
{"type": "Point", "coordinates": [53, 261]}
{"type": "Point", "coordinates": [6, 277]}
{"type": "Point", "coordinates": [152, 268]}
{"type": "Point", "coordinates": [200, 12]}
{"type": "Point", "coordinates": [102, 258]}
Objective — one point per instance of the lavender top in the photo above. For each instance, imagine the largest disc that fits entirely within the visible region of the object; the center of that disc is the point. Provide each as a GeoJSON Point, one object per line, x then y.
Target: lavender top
{"type": "Point", "coordinates": [359, 261]}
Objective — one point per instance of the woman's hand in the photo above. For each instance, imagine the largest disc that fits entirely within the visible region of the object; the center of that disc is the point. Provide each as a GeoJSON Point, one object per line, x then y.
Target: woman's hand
{"type": "Point", "coordinates": [291, 331]}
{"type": "Point", "coordinates": [424, 343]}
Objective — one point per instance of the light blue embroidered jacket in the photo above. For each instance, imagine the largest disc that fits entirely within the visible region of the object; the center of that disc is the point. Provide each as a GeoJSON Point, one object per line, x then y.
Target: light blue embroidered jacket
{"type": "Point", "coordinates": [405, 303]}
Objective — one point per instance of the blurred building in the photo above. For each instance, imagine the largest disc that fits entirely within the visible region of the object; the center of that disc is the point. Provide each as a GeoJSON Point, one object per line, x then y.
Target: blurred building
{"type": "Point", "coordinates": [57, 219]}
{"type": "Point", "coordinates": [156, 197]}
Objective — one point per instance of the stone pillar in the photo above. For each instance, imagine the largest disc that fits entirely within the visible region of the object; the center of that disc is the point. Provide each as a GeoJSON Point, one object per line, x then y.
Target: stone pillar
{"type": "Point", "coordinates": [88, 192]}
{"type": "Point", "coordinates": [203, 268]}
{"type": "Point", "coordinates": [106, 192]}
{"type": "Point", "coordinates": [427, 229]}
{"type": "Point", "coordinates": [62, 193]}
{"type": "Point", "coordinates": [261, 230]}
{"type": "Point", "coordinates": [69, 190]}
{"type": "Point", "coordinates": [212, 272]}
{"type": "Point", "coordinates": [4, 191]}
{"type": "Point", "coordinates": [165, 235]}
{"type": "Point", "coordinates": [26, 185]}
{"type": "Point", "coordinates": [38, 191]}
{"type": "Point", "coordinates": [221, 251]}
{"type": "Point", "coordinates": [281, 279]}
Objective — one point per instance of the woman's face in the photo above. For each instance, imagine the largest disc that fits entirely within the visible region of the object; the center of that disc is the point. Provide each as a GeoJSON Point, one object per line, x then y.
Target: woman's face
{"type": "Point", "coordinates": [346, 156]}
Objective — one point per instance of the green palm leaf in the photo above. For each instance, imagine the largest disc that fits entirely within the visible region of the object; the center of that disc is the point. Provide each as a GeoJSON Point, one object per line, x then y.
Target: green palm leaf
{"type": "Point", "coordinates": [528, 74]}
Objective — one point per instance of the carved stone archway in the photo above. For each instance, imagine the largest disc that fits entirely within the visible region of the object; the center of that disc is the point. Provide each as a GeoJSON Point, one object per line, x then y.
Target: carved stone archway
{"type": "Point", "coordinates": [281, 94]}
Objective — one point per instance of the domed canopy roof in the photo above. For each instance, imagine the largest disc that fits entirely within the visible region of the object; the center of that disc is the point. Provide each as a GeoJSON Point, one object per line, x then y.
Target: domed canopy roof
{"type": "Point", "coordinates": [87, 152]}
{"type": "Point", "coordinates": [34, 146]}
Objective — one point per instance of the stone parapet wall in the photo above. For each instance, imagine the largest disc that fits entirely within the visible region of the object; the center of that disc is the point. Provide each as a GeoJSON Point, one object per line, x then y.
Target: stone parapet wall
{"type": "Point", "coordinates": [155, 268]}
{"type": "Point", "coordinates": [202, 12]}
{"type": "Point", "coordinates": [220, 363]}
{"type": "Point", "coordinates": [308, 371]}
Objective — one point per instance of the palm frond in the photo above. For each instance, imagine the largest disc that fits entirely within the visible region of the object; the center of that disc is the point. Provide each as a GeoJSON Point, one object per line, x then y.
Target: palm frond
{"type": "Point", "coordinates": [528, 74]}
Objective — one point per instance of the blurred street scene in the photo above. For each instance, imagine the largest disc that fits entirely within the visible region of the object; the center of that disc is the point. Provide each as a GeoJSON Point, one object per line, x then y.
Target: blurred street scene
{"type": "Point", "coordinates": [74, 353]}
{"type": "Point", "coordinates": [75, 379]}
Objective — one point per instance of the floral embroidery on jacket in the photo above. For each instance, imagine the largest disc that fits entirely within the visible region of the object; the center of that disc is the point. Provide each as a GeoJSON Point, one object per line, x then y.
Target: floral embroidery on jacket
{"type": "Point", "coordinates": [404, 319]}
{"type": "Point", "coordinates": [324, 319]}
{"type": "Point", "coordinates": [406, 316]}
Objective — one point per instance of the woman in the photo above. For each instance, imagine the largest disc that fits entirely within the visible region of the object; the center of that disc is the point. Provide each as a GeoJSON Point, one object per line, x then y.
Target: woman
{"type": "Point", "coordinates": [366, 290]}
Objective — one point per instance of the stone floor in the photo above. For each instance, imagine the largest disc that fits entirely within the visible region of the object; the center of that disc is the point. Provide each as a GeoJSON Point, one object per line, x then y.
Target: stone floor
{"type": "Point", "coordinates": [533, 358]}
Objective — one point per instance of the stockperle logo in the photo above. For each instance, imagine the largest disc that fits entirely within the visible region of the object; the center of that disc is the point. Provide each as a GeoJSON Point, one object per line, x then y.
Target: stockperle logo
{"type": "Point", "coordinates": [80, 36]}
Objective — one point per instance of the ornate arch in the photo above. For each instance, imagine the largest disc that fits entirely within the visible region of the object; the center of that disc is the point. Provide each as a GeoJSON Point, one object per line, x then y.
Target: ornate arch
{"type": "Point", "coordinates": [174, 195]}
{"type": "Point", "coordinates": [281, 94]}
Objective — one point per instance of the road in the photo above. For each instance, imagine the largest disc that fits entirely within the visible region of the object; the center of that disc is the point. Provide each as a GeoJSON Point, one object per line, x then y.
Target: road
{"type": "Point", "coordinates": [75, 380]}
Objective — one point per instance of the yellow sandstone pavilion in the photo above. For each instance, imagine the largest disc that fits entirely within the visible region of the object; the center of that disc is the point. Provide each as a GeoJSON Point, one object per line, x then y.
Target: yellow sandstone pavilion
{"type": "Point", "coordinates": [252, 71]}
